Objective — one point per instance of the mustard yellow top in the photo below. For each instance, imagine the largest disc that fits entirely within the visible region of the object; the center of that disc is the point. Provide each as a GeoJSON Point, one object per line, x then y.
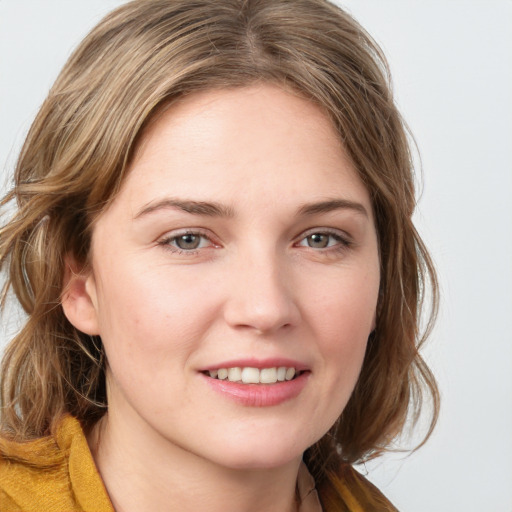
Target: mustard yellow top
{"type": "Point", "coordinates": [57, 474]}
{"type": "Point", "coordinates": [51, 474]}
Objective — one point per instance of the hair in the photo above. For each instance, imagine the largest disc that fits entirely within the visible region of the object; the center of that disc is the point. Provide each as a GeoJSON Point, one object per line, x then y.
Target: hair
{"type": "Point", "coordinates": [139, 59]}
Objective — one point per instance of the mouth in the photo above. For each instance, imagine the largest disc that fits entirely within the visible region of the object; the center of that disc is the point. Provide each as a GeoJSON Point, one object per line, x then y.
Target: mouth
{"type": "Point", "coordinates": [257, 383]}
{"type": "Point", "coordinates": [251, 375]}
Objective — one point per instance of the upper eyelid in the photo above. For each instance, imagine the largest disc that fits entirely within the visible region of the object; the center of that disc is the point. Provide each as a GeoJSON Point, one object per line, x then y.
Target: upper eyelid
{"type": "Point", "coordinates": [326, 231]}
{"type": "Point", "coordinates": [336, 232]}
{"type": "Point", "coordinates": [173, 235]}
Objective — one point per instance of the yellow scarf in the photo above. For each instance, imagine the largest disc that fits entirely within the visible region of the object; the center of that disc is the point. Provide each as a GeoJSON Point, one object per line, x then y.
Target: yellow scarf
{"type": "Point", "coordinates": [58, 474]}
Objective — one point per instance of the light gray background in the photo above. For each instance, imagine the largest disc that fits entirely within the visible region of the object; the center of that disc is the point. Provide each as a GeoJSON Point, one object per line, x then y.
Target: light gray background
{"type": "Point", "coordinates": [452, 67]}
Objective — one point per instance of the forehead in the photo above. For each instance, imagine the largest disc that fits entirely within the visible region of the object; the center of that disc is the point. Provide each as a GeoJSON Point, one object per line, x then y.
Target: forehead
{"type": "Point", "coordinates": [259, 139]}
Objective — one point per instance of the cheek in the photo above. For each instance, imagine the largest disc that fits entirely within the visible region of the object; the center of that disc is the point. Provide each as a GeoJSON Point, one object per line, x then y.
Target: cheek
{"type": "Point", "coordinates": [152, 317]}
{"type": "Point", "coordinates": [345, 308]}
{"type": "Point", "coordinates": [343, 318]}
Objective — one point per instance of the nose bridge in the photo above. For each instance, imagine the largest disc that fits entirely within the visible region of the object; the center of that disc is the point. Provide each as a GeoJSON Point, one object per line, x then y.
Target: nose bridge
{"type": "Point", "coordinates": [261, 292]}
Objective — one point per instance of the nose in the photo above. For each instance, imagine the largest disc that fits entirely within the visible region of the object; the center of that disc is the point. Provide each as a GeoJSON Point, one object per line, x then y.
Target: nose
{"type": "Point", "coordinates": [261, 295]}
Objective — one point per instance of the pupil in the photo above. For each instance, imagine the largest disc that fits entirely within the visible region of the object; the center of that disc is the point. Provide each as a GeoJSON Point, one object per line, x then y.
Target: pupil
{"type": "Point", "coordinates": [188, 242]}
{"type": "Point", "coordinates": [318, 240]}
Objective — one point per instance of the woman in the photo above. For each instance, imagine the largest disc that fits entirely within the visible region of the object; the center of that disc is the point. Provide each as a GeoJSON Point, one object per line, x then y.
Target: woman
{"type": "Point", "coordinates": [214, 247]}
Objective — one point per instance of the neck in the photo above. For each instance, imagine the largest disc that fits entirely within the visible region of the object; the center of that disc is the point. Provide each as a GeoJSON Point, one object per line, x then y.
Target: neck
{"type": "Point", "coordinates": [144, 472]}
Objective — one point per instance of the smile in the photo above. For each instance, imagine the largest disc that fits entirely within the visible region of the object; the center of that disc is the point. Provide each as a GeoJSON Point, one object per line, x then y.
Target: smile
{"type": "Point", "coordinates": [257, 387]}
{"type": "Point", "coordinates": [249, 375]}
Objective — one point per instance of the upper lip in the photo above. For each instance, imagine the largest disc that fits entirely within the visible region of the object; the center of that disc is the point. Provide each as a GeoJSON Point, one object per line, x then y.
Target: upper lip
{"type": "Point", "coordinates": [274, 362]}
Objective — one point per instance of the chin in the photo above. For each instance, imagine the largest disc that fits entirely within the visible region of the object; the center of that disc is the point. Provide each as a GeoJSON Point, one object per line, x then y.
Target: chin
{"type": "Point", "coordinates": [250, 461]}
{"type": "Point", "coordinates": [263, 453]}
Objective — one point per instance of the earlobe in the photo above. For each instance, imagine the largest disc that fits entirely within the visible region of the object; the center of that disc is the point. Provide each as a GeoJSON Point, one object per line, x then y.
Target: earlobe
{"type": "Point", "coordinates": [78, 297]}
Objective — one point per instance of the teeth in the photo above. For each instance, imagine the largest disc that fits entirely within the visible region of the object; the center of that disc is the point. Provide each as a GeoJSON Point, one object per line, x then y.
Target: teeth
{"type": "Point", "coordinates": [234, 374]}
{"type": "Point", "coordinates": [281, 373]}
{"type": "Point", "coordinates": [290, 373]}
{"type": "Point", "coordinates": [268, 375]}
{"type": "Point", "coordinates": [250, 375]}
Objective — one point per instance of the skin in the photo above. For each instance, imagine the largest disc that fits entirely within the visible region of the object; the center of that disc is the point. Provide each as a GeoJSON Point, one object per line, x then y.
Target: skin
{"type": "Point", "coordinates": [258, 285]}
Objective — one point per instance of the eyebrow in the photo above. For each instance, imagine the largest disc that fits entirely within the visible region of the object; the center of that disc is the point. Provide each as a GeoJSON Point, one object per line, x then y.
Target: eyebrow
{"type": "Point", "coordinates": [194, 207]}
{"type": "Point", "coordinates": [212, 209]}
{"type": "Point", "coordinates": [332, 205]}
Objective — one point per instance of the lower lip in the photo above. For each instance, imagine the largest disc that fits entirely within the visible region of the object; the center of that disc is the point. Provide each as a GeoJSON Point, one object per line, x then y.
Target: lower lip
{"type": "Point", "coordinates": [259, 395]}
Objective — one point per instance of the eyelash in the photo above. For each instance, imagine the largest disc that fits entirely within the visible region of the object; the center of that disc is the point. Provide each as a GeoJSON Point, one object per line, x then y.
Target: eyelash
{"type": "Point", "coordinates": [167, 241]}
{"type": "Point", "coordinates": [342, 242]}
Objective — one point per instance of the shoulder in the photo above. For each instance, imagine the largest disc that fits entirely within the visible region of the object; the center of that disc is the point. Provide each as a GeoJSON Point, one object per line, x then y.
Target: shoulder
{"type": "Point", "coordinates": [34, 475]}
{"type": "Point", "coordinates": [54, 473]}
{"type": "Point", "coordinates": [347, 488]}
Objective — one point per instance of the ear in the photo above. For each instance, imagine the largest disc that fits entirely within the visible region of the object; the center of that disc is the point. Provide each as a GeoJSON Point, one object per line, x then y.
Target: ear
{"type": "Point", "coordinates": [79, 300]}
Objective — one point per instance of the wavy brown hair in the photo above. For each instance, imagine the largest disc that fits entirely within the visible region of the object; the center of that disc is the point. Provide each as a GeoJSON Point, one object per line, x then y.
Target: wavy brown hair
{"type": "Point", "coordinates": [138, 60]}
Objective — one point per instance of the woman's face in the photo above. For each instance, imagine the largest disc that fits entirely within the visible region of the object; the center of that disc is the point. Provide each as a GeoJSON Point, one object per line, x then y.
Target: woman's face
{"type": "Point", "coordinates": [242, 242]}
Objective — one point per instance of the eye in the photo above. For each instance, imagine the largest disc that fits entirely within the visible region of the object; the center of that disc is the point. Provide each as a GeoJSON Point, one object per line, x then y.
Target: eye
{"type": "Point", "coordinates": [323, 240]}
{"type": "Point", "coordinates": [186, 242]}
